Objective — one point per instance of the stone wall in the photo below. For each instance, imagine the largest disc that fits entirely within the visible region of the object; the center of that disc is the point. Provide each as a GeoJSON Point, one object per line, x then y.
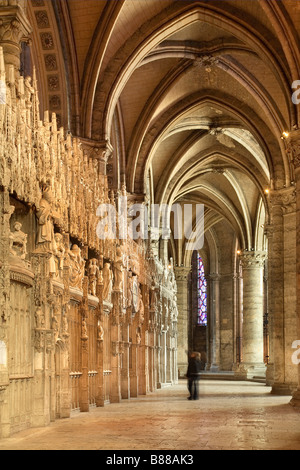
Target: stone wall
{"type": "Point", "coordinates": [85, 320]}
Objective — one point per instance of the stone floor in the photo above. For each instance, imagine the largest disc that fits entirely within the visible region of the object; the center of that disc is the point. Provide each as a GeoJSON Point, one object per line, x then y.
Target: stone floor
{"type": "Point", "coordinates": [228, 416]}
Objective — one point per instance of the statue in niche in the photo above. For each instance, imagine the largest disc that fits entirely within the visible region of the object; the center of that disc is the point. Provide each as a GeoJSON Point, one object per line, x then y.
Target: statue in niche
{"type": "Point", "coordinates": [39, 319]}
{"type": "Point", "coordinates": [141, 309]}
{"type": "Point", "coordinates": [129, 289]}
{"type": "Point", "coordinates": [107, 282]}
{"type": "Point", "coordinates": [18, 242]}
{"type": "Point", "coordinates": [55, 325]}
{"type": "Point", "coordinates": [175, 308]}
{"type": "Point", "coordinates": [59, 254]}
{"type": "Point", "coordinates": [29, 92]}
{"type": "Point", "coordinates": [65, 325]}
{"type": "Point", "coordinates": [138, 336]}
{"type": "Point", "coordinates": [65, 322]}
{"type": "Point", "coordinates": [46, 217]}
{"type": "Point", "coordinates": [77, 265]}
{"type": "Point", "coordinates": [93, 276]}
{"type": "Point", "coordinates": [118, 270]}
{"type": "Point", "coordinates": [84, 334]}
{"type": "Point", "coordinates": [100, 333]}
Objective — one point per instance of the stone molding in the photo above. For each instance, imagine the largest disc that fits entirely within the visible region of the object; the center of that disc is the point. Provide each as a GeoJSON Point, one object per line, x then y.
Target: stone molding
{"type": "Point", "coordinates": [214, 277]}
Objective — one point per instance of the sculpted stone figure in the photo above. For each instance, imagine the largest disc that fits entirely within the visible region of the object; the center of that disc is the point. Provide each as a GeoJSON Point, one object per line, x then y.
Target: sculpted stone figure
{"type": "Point", "coordinates": [141, 309]}
{"type": "Point", "coordinates": [18, 242]}
{"type": "Point", "coordinates": [84, 333]}
{"type": "Point", "coordinates": [77, 265]}
{"type": "Point", "coordinates": [100, 333]}
{"type": "Point", "coordinates": [93, 276]}
{"type": "Point", "coordinates": [107, 282]}
{"type": "Point", "coordinates": [59, 254]}
{"type": "Point", "coordinates": [129, 289]}
{"type": "Point", "coordinates": [55, 325]}
{"type": "Point", "coordinates": [39, 319]}
{"type": "Point", "coordinates": [46, 216]}
{"type": "Point", "coordinates": [65, 325]}
{"type": "Point", "coordinates": [118, 270]}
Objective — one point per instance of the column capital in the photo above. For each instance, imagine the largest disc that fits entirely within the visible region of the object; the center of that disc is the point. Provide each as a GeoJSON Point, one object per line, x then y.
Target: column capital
{"type": "Point", "coordinates": [14, 28]}
{"type": "Point", "coordinates": [182, 273]}
{"type": "Point", "coordinates": [99, 150]}
{"type": "Point", "coordinates": [285, 198]}
{"type": "Point", "coordinates": [253, 259]}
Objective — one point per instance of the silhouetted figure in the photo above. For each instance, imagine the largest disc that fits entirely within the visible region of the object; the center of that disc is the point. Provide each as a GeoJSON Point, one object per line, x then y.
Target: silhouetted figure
{"type": "Point", "coordinates": [193, 375]}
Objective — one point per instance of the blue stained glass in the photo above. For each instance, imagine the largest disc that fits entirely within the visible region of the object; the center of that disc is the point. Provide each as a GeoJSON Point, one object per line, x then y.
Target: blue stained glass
{"type": "Point", "coordinates": [202, 294]}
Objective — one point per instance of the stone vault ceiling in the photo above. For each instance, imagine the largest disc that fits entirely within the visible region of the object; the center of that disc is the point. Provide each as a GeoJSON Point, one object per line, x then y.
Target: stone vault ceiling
{"type": "Point", "coordinates": [198, 94]}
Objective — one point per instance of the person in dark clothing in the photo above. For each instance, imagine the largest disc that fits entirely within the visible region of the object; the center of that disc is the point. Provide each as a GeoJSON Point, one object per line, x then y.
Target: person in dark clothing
{"type": "Point", "coordinates": [193, 375]}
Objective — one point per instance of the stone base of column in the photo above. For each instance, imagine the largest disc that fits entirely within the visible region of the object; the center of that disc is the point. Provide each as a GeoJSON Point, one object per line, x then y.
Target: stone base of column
{"type": "Point", "coordinates": [284, 389]}
{"type": "Point", "coordinates": [161, 385]}
{"type": "Point", "coordinates": [212, 368]}
{"type": "Point", "coordinates": [249, 371]}
{"type": "Point", "coordinates": [295, 401]}
{"type": "Point", "coordinates": [182, 370]}
{"type": "Point", "coordinates": [240, 372]}
{"type": "Point", "coordinates": [270, 373]}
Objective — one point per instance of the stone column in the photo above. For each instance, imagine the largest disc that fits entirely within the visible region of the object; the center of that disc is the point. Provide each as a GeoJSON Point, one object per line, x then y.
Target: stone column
{"type": "Point", "coordinates": [214, 323]}
{"type": "Point", "coordinates": [100, 343]}
{"type": "Point", "coordinates": [125, 380]}
{"type": "Point", "coordinates": [115, 395]}
{"type": "Point", "coordinates": [239, 325]}
{"type": "Point", "coordinates": [6, 211]}
{"type": "Point", "coordinates": [253, 311]}
{"type": "Point", "coordinates": [182, 280]}
{"type": "Point", "coordinates": [282, 286]}
{"type": "Point", "coordinates": [294, 154]}
{"type": "Point", "coordinates": [14, 28]}
{"type": "Point", "coordinates": [84, 341]}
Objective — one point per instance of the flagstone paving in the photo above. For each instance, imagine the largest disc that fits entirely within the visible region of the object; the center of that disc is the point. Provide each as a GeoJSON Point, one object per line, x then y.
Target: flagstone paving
{"type": "Point", "coordinates": [228, 416]}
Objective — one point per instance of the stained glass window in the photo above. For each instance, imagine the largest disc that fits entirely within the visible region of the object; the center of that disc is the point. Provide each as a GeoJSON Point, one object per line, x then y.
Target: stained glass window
{"type": "Point", "coordinates": [202, 294]}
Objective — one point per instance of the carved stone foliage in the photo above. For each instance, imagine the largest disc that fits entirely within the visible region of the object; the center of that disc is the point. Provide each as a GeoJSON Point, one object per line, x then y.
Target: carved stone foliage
{"type": "Point", "coordinates": [253, 259]}
{"type": "Point", "coordinates": [286, 199]}
{"type": "Point", "coordinates": [182, 273]}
